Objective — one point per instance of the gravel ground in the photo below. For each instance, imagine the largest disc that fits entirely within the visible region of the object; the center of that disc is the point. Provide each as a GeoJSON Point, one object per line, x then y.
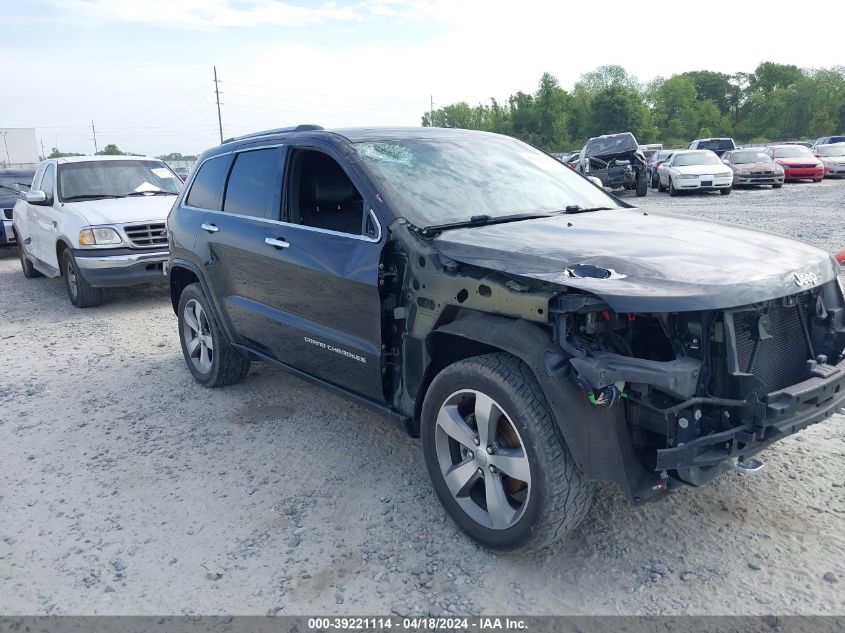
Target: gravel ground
{"type": "Point", "coordinates": [125, 488]}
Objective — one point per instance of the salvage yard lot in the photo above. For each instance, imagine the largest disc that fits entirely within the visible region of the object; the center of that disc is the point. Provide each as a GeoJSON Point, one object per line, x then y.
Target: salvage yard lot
{"type": "Point", "coordinates": [126, 488]}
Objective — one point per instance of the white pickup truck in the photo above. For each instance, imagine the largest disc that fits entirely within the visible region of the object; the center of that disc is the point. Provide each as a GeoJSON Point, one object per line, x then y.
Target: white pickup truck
{"type": "Point", "coordinates": [98, 221]}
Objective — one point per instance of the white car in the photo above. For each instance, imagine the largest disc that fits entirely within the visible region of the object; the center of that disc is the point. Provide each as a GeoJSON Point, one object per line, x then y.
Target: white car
{"type": "Point", "coordinates": [98, 221]}
{"type": "Point", "coordinates": [833, 157]}
{"type": "Point", "coordinates": [694, 170]}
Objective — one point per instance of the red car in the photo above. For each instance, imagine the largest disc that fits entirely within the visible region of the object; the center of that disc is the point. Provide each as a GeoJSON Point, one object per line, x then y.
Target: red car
{"type": "Point", "coordinates": [797, 161]}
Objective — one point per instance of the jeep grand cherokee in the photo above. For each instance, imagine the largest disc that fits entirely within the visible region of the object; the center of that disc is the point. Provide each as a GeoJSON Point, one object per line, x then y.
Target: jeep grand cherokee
{"type": "Point", "coordinates": [537, 333]}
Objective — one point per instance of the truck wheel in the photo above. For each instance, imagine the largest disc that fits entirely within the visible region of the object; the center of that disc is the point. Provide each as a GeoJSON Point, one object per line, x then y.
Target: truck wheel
{"type": "Point", "coordinates": [496, 458]}
{"type": "Point", "coordinates": [80, 292]}
{"type": "Point", "coordinates": [642, 186]}
{"type": "Point", "coordinates": [672, 191]}
{"type": "Point", "coordinates": [28, 269]}
{"type": "Point", "coordinates": [726, 191]}
{"type": "Point", "coordinates": [212, 361]}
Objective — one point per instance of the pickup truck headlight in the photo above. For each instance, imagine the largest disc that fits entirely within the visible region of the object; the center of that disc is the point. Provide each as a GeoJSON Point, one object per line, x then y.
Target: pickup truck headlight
{"type": "Point", "coordinates": [99, 237]}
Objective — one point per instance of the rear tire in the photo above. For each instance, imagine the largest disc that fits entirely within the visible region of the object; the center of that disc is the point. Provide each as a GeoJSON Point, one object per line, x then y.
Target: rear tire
{"type": "Point", "coordinates": [80, 292]}
{"type": "Point", "coordinates": [536, 491]}
{"type": "Point", "coordinates": [655, 181]}
{"type": "Point", "coordinates": [29, 270]}
{"type": "Point", "coordinates": [210, 358]}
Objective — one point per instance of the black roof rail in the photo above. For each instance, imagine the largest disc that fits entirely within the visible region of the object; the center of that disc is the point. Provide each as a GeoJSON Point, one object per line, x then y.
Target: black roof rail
{"type": "Point", "coordinates": [308, 127]}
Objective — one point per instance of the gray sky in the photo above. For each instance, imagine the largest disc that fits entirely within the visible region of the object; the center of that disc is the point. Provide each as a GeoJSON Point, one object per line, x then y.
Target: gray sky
{"type": "Point", "coordinates": [142, 69]}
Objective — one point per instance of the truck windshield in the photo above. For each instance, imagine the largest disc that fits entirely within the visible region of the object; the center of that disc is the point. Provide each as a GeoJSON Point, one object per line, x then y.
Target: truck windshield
{"type": "Point", "coordinates": [446, 180]}
{"type": "Point", "coordinates": [718, 144]}
{"type": "Point", "coordinates": [115, 179]}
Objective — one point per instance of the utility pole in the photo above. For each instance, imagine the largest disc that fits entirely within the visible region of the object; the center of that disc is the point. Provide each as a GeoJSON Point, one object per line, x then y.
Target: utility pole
{"type": "Point", "coordinates": [95, 136]}
{"type": "Point", "coordinates": [431, 113]}
{"type": "Point", "coordinates": [217, 94]}
{"type": "Point", "coordinates": [6, 143]}
{"type": "Point", "coordinates": [43, 154]}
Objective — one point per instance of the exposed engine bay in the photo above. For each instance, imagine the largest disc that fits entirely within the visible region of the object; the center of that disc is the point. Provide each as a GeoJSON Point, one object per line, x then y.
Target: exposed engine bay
{"type": "Point", "coordinates": [703, 387]}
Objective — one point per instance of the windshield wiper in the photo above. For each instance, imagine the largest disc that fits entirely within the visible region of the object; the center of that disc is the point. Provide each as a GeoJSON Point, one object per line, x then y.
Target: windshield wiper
{"type": "Point", "coordinates": [89, 196]}
{"type": "Point", "coordinates": [485, 220]}
{"type": "Point", "coordinates": [158, 192]}
{"type": "Point", "coordinates": [575, 208]}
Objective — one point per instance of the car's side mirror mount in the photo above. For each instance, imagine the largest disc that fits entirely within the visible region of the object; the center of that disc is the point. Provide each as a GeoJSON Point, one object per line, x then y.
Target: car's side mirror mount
{"type": "Point", "coordinates": [35, 196]}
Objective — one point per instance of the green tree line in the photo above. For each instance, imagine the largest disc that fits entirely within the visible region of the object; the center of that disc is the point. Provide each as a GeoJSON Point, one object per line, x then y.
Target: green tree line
{"type": "Point", "coordinates": [775, 102]}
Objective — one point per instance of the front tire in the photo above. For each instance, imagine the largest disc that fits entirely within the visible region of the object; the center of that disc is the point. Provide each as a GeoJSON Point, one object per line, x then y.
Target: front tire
{"type": "Point", "coordinates": [777, 186]}
{"type": "Point", "coordinates": [672, 191]}
{"type": "Point", "coordinates": [642, 186]}
{"type": "Point", "coordinates": [212, 361]}
{"type": "Point", "coordinates": [80, 292]}
{"type": "Point", "coordinates": [29, 270]}
{"type": "Point", "coordinates": [496, 458]}
{"type": "Point", "coordinates": [726, 191]}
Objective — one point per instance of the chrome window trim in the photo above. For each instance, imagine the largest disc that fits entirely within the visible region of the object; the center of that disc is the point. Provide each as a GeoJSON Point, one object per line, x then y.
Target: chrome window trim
{"type": "Point", "coordinates": [183, 202]}
{"type": "Point", "coordinates": [305, 227]}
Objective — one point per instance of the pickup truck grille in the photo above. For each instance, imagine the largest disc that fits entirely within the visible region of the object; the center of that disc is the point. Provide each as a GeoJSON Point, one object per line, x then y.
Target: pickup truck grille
{"type": "Point", "coordinates": [146, 235]}
{"type": "Point", "coordinates": [781, 360]}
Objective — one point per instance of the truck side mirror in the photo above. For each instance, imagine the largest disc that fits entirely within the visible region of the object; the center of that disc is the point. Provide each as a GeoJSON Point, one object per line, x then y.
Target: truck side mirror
{"type": "Point", "coordinates": [34, 196]}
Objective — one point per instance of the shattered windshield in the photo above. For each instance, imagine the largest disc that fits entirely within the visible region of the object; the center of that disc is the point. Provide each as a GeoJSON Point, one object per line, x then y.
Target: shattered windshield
{"type": "Point", "coordinates": [448, 180]}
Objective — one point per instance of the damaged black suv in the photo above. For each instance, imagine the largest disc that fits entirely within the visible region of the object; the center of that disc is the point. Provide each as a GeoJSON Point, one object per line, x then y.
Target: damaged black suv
{"type": "Point", "coordinates": [538, 334]}
{"type": "Point", "coordinates": [616, 160]}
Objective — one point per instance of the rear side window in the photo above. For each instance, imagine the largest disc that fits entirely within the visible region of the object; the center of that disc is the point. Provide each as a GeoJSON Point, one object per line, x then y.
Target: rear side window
{"type": "Point", "coordinates": [207, 188]}
{"type": "Point", "coordinates": [253, 184]}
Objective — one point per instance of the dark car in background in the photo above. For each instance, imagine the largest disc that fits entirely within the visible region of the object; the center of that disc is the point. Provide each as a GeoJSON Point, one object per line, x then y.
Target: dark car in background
{"type": "Point", "coordinates": [657, 159]}
{"type": "Point", "coordinates": [616, 160]}
{"type": "Point", "coordinates": [828, 140]}
{"type": "Point", "coordinates": [12, 183]}
{"type": "Point", "coordinates": [716, 145]}
{"type": "Point", "coordinates": [537, 333]}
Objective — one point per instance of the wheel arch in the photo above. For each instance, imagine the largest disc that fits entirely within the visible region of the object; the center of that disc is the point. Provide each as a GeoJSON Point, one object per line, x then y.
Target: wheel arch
{"type": "Point", "coordinates": [180, 277]}
{"type": "Point", "coordinates": [62, 244]}
{"type": "Point", "coordinates": [598, 437]}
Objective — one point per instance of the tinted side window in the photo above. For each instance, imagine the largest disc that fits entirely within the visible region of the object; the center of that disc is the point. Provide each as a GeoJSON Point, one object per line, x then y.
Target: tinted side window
{"type": "Point", "coordinates": [253, 183]}
{"type": "Point", "coordinates": [207, 188]}
{"type": "Point", "coordinates": [48, 181]}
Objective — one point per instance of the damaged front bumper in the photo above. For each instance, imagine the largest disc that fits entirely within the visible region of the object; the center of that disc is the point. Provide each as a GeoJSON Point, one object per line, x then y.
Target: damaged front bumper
{"type": "Point", "coordinates": [784, 412]}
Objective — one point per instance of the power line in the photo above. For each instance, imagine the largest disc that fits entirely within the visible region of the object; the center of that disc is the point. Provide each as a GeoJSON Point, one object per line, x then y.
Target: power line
{"type": "Point", "coordinates": [217, 94]}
